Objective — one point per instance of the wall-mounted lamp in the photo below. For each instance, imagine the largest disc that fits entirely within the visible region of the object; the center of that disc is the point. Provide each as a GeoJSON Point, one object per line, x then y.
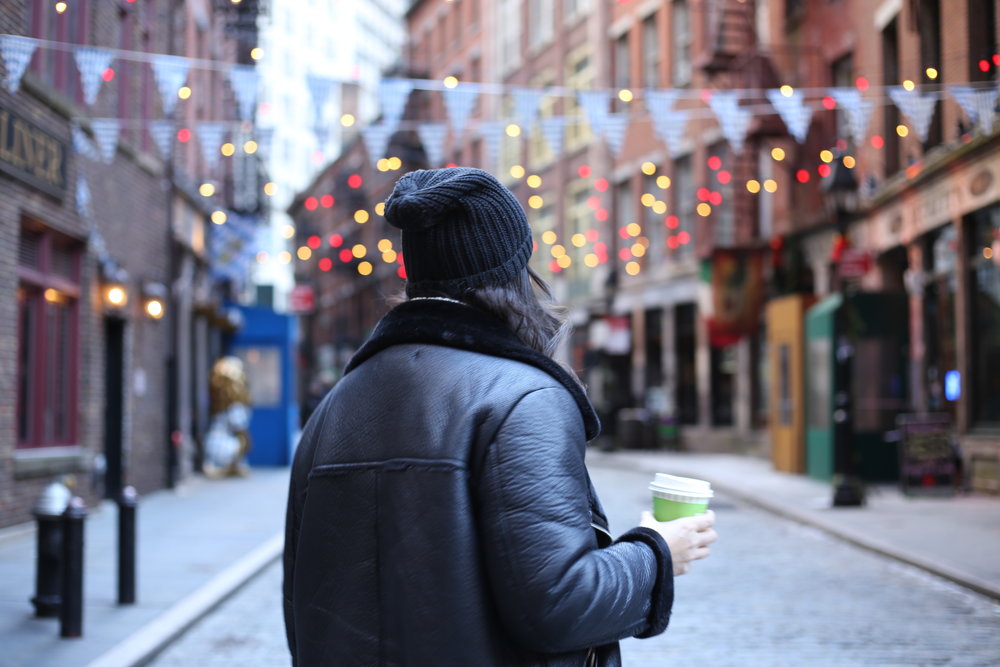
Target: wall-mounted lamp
{"type": "Point", "coordinates": [114, 288]}
{"type": "Point", "coordinates": [154, 300]}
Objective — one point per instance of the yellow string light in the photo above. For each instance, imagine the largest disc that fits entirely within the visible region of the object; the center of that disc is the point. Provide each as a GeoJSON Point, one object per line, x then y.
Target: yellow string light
{"type": "Point", "coordinates": [347, 120]}
{"type": "Point", "coordinates": [384, 245]}
{"type": "Point", "coordinates": [632, 268]}
{"type": "Point", "coordinates": [548, 237]}
{"type": "Point", "coordinates": [365, 268]}
{"type": "Point", "coordinates": [778, 153]}
{"type": "Point", "coordinates": [227, 149]}
{"type": "Point", "coordinates": [513, 130]}
{"type": "Point", "coordinates": [902, 130]}
{"type": "Point", "coordinates": [826, 156]}
{"type": "Point", "coordinates": [558, 250]}
{"type": "Point", "coordinates": [359, 250]}
{"type": "Point", "coordinates": [787, 90]}
{"type": "Point", "coordinates": [753, 186]}
{"type": "Point", "coordinates": [564, 262]}
{"type": "Point", "coordinates": [250, 147]}
{"type": "Point", "coordinates": [219, 217]}
{"type": "Point", "coordinates": [361, 216]}
{"type": "Point", "coordinates": [184, 92]}
{"type": "Point", "coordinates": [395, 163]}
{"type": "Point", "coordinates": [648, 168]}
{"type": "Point", "coordinates": [704, 210]}
{"type": "Point", "coordinates": [270, 188]}
{"type": "Point", "coordinates": [659, 207]}
{"type": "Point", "coordinates": [579, 240]}
{"type": "Point", "coordinates": [638, 249]}
{"type": "Point", "coordinates": [256, 53]}
{"type": "Point", "coordinates": [206, 189]}
{"type": "Point", "coordinates": [590, 260]}
{"type": "Point", "coordinates": [536, 201]}
{"type": "Point", "coordinates": [771, 185]}
{"type": "Point", "coordinates": [663, 182]}
{"type": "Point", "coordinates": [380, 208]}
{"type": "Point", "coordinates": [633, 229]}
{"type": "Point", "coordinates": [908, 85]}
{"type": "Point", "coordinates": [284, 257]}
{"type": "Point", "coordinates": [304, 252]}
{"type": "Point", "coordinates": [450, 81]}
{"type": "Point", "coordinates": [534, 181]}
{"type": "Point", "coordinates": [647, 199]}
{"type": "Point", "coordinates": [849, 161]}
{"type": "Point", "coordinates": [625, 95]}
{"type": "Point", "coordinates": [288, 231]}
{"type": "Point", "coordinates": [517, 171]}
{"type": "Point", "coordinates": [389, 256]}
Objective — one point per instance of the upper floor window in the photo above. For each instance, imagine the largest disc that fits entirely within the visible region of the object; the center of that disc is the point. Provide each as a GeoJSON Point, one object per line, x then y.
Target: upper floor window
{"type": "Point", "coordinates": [57, 67]}
{"type": "Point", "coordinates": [541, 16]}
{"type": "Point", "coordinates": [681, 40]}
{"type": "Point", "coordinates": [650, 53]}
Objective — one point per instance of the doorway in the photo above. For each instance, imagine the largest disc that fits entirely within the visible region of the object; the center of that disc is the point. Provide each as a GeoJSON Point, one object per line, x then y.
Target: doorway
{"type": "Point", "coordinates": [114, 408]}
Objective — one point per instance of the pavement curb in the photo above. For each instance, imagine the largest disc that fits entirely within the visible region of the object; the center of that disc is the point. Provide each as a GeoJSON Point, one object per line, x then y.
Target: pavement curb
{"type": "Point", "coordinates": [141, 647]}
{"type": "Point", "coordinates": [962, 579]}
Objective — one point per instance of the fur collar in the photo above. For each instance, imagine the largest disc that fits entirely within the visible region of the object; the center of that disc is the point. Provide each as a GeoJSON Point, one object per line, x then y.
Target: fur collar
{"type": "Point", "coordinates": [433, 322]}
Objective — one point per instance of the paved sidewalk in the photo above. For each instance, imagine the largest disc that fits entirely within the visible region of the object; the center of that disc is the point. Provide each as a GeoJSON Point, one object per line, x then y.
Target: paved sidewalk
{"type": "Point", "coordinates": [196, 545]}
{"type": "Point", "coordinates": [202, 541]}
{"type": "Point", "coordinates": [957, 538]}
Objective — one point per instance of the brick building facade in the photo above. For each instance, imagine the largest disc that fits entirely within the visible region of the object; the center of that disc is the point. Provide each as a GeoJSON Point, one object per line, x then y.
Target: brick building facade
{"type": "Point", "coordinates": [635, 236]}
{"type": "Point", "coordinates": [85, 387]}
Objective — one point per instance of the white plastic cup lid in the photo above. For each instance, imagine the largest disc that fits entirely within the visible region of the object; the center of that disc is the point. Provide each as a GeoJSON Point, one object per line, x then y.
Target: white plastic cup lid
{"type": "Point", "coordinates": [681, 485]}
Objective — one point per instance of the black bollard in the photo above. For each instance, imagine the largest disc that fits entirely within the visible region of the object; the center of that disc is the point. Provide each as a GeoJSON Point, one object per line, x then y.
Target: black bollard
{"type": "Point", "coordinates": [126, 545]}
{"type": "Point", "coordinates": [48, 569]}
{"type": "Point", "coordinates": [71, 609]}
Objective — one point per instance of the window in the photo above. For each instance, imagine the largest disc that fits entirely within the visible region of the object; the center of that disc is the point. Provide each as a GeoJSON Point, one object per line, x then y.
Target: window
{"type": "Point", "coordinates": [929, 26]}
{"type": "Point", "coordinates": [576, 9]}
{"type": "Point", "coordinates": [982, 39]}
{"type": "Point", "coordinates": [890, 114]}
{"type": "Point", "coordinates": [684, 206]}
{"type": "Point", "coordinates": [650, 53]}
{"type": "Point", "coordinates": [541, 15]}
{"type": "Point", "coordinates": [57, 67]}
{"type": "Point", "coordinates": [984, 385]}
{"type": "Point", "coordinates": [653, 228]}
{"type": "Point", "coordinates": [47, 301]}
{"type": "Point", "coordinates": [622, 65]}
{"type": "Point", "coordinates": [579, 76]}
{"type": "Point", "coordinates": [510, 35]}
{"type": "Point", "coordinates": [681, 40]}
{"type": "Point", "coordinates": [724, 223]}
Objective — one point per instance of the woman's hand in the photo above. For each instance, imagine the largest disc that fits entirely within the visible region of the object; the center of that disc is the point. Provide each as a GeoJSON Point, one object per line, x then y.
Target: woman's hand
{"type": "Point", "coordinates": [688, 538]}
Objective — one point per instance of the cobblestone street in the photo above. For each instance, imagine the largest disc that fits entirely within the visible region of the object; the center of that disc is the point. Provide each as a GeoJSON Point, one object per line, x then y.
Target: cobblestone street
{"type": "Point", "coordinates": [773, 593]}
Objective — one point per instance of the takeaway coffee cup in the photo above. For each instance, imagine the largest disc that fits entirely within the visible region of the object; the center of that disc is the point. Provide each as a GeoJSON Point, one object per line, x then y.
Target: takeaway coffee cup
{"type": "Point", "coordinates": [675, 497]}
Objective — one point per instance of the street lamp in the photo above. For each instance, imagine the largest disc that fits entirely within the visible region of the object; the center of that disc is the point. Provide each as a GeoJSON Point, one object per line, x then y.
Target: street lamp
{"type": "Point", "coordinates": [841, 190]}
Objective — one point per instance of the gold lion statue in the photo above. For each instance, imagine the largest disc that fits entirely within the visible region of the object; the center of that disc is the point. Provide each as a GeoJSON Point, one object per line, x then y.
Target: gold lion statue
{"type": "Point", "coordinates": [228, 440]}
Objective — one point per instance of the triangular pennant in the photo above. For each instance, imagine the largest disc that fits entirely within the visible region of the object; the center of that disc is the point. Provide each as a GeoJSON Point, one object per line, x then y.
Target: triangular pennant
{"type": "Point", "coordinates": [92, 62]}
{"type": "Point", "coordinates": [320, 89]}
{"type": "Point", "coordinates": [210, 136]}
{"type": "Point", "coordinates": [83, 200]}
{"type": "Point", "coordinates": [459, 103]}
{"type": "Point", "coordinates": [162, 132]}
{"type": "Point", "coordinates": [322, 133]}
{"type": "Point", "coordinates": [979, 105]}
{"type": "Point", "coordinates": [170, 73]}
{"type": "Point", "coordinates": [918, 108]}
{"type": "Point", "coordinates": [595, 108]}
{"type": "Point", "coordinates": [526, 107]}
{"type": "Point", "coordinates": [106, 135]}
{"type": "Point", "coordinates": [615, 129]}
{"type": "Point", "coordinates": [432, 136]}
{"type": "Point", "coordinates": [243, 79]}
{"type": "Point", "coordinates": [660, 101]}
{"type": "Point", "coordinates": [392, 96]}
{"type": "Point", "coordinates": [82, 144]}
{"type": "Point", "coordinates": [859, 111]}
{"type": "Point", "coordinates": [793, 112]}
{"type": "Point", "coordinates": [376, 137]}
{"type": "Point", "coordinates": [733, 119]}
{"type": "Point", "coordinates": [492, 133]}
{"type": "Point", "coordinates": [670, 126]}
{"type": "Point", "coordinates": [16, 52]}
{"type": "Point", "coordinates": [553, 129]}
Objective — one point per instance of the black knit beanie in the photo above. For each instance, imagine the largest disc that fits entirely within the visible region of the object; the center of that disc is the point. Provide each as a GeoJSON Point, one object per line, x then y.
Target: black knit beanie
{"type": "Point", "coordinates": [461, 229]}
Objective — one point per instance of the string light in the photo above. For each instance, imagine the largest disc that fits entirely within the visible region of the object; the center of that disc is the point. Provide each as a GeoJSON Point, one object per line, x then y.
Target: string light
{"type": "Point", "coordinates": [931, 73]}
{"type": "Point", "coordinates": [382, 164]}
{"type": "Point", "coordinates": [704, 209]}
{"type": "Point", "coordinates": [365, 268]}
{"type": "Point", "coordinates": [826, 155]}
{"type": "Point", "coordinates": [358, 250]}
{"type": "Point", "coordinates": [361, 216]}
{"type": "Point", "coordinates": [753, 186]}
{"type": "Point", "coordinates": [648, 168]}
{"type": "Point", "coordinates": [647, 199]}
{"type": "Point", "coordinates": [380, 208]}
{"type": "Point", "coordinates": [902, 130]}
{"type": "Point", "coordinates": [284, 257]}
{"type": "Point", "coordinates": [771, 185]}
{"type": "Point", "coordinates": [256, 53]}
{"type": "Point", "coordinates": [347, 120]}
{"type": "Point", "coordinates": [311, 203]}
{"type": "Point", "coordinates": [227, 149]}
{"type": "Point", "coordinates": [250, 147]}
{"type": "Point", "coordinates": [314, 242]}
{"type": "Point", "coordinates": [517, 171]}
{"type": "Point", "coordinates": [60, 7]}
{"type": "Point", "coordinates": [625, 95]}
{"type": "Point", "coordinates": [335, 240]}
{"type": "Point", "coordinates": [288, 231]}
{"type": "Point", "coordinates": [206, 189]}
{"type": "Point", "coordinates": [787, 90]}
{"type": "Point", "coordinates": [632, 268]}
{"type": "Point", "coordinates": [384, 245]}
{"type": "Point", "coordinates": [513, 130]}
{"type": "Point", "coordinates": [304, 253]}
{"type": "Point", "coordinates": [558, 251]}
{"type": "Point", "coordinates": [450, 82]}
{"type": "Point", "coordinates": [908, 85]}
{"type": "Point", "coordinates": [218, 217]}
{"type": "Point", "coordinates": [849, 161]}
{"type": "Point", "coordinates": [778, 153]}
{"type": "Point", "coordinates": [395, 163]}
{"type": "Point", "coordinates": [548, 237]}
{"type": "Point", "coordinates": [663, 182]}
{"type": "Point", "coordinates": [184, 92]}
{"type": "Point", "coordinates": [633, 229]}
{"type": "Point", "coordinates": [578, 240]}
{"type": "Point", "coordinates": [659, 207]}
{"type": "Point", "coordinates": [534, 181]}
{"type": "Point", "coordinates": [535, 201]}
{"type": "Point", "coordinates": [270, 188]}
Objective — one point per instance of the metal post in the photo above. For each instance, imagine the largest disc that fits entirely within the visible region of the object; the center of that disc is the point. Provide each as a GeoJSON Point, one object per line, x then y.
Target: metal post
{"type": "Point", "coordinates": [48, 572]}
{"type": "Point", "coordinates": [127, 502]}
{"type": "Point", "coordinates": [71, 610]}
{"type": "Point", "coordinates": [847, 490]}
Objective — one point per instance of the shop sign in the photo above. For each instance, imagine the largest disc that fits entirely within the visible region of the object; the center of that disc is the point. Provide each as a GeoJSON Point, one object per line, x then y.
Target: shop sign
{"type": "Point", "coordinates": [854, 263]}
{"type": "Point", "coordinates": [31, 154]}
{"type": "Point", "coordinates": [301, 300]}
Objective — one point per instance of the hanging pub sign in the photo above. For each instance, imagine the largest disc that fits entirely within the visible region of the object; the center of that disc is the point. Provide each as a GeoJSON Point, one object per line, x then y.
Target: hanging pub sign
{"type": "Point", "coordinates": [31, 154]}
{"type": "Point", "coordinates": [736, 277]}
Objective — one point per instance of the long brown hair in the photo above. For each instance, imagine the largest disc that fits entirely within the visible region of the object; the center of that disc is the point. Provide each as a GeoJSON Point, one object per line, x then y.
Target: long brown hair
{"type": "Point", "coordinates": [525, 305]}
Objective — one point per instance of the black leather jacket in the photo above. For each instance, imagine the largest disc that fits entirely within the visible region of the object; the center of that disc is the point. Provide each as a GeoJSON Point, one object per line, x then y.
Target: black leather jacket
{"type": "Point", "coordinates": [440, 512]}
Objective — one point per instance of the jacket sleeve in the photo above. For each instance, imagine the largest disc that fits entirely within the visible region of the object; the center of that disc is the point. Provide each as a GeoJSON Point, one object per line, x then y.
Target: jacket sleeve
{"type": "Point", "coordinates": [555, 589]}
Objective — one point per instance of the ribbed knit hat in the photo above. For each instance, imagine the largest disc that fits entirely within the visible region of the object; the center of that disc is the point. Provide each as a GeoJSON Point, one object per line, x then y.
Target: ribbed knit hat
{"type": "Point", "coordinates": [461, 228]}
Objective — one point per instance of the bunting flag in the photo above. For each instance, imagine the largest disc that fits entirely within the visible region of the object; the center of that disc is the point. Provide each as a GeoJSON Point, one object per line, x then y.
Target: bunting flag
{"type": "Point", "coordinates": [733, 119]}
{"type": "Point", "coordinates": [660, 101]}
{"type": "Point", "coordinates": [858, 109]}
{"type": "Point", "coordinates": [210, 136]}
{"type": "Point", "coordinates": [265, 136]}
{"type": "Point", "coordinates": [106, 135]}
{"type": "Point", "coordinates": [459, 103]}
{"type": "Point", "coordinates": [376, 137]}
{"type": "Point", "coordinates": [322, 133]}
{"type": "Point", "coordinates": [162, 132]}
{"type": "Point", "coordinates": [243, 79]}
{"type": "Point", "coordinates": [595, 108]}
{"type": "Point", "coordinates": [526, 107]}
{"type": "Point", "coordinates": [393, 95]}
{"type": "Point", "coordinates": [16, 52]}
{"type": "Point", "coordinates": [553, 129]}
{"type": "Point", "coordinates": [671, 126]}
{"type": "Point", "coordinates": [918, 108]}
{"type": "Point", "coordinates": [978, 104]}
{"type": "Point", "coordinates": [170, 73]}
{"type": "Point", "coordinates": [82, 144]}
{"type": "Point", "coordinates": [615, 129]}
{"type": "Point", "coordinates": [320, 89]}
{"type": "Point", "coordinates": [793, 111]}
{"type": "Point", "coordinates": [92, 62]}
{"type": "Point", "coordinates": [83, 199]}
{"type": "Point", "coordinates": [492, 133]}
{"type": "Point", "coordinates": [432, 137]}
